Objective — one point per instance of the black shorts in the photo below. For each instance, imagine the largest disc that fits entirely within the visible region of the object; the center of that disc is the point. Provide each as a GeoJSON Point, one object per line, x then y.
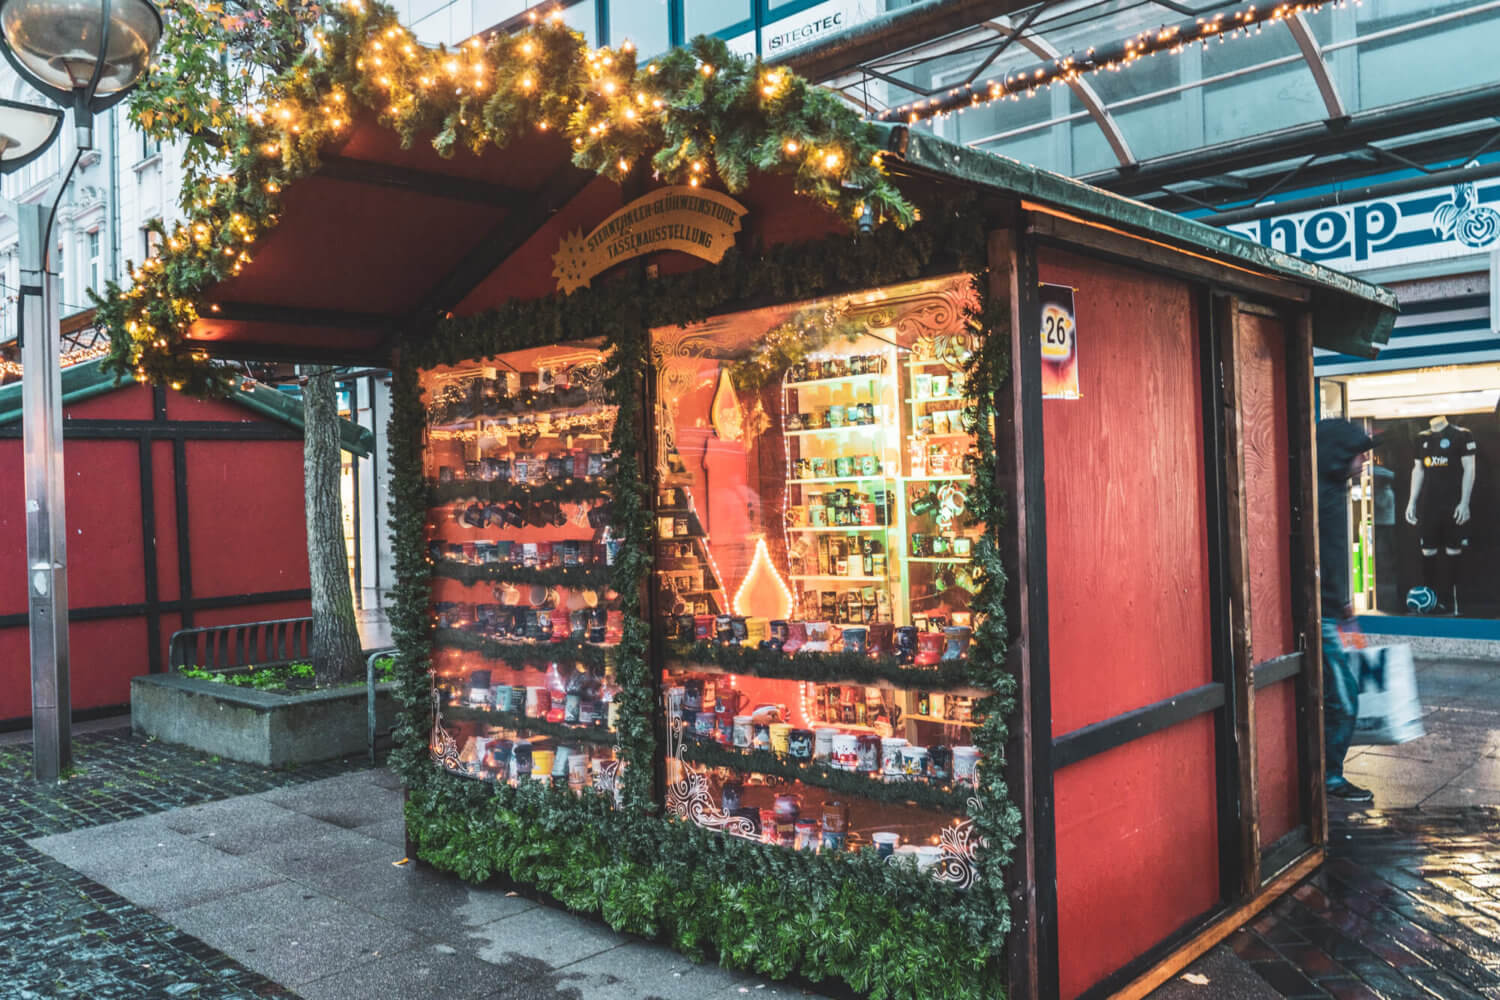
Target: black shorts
{"type": "Point", "coordinates": [1438, 530]}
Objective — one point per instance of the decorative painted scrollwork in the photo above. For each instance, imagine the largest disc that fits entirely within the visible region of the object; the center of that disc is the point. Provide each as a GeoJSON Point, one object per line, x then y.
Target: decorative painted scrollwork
{"type": "Point", "coordinates": [608, 778]}
{"type": "Point", "coordinates": [443, 748]}
{"type": "Point", "coordinates": [959, 866]}
{"type": "Point", "coordinates": [689, 798]}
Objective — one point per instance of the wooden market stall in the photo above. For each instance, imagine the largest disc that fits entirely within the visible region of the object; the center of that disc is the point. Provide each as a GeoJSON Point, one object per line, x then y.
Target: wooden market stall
{"type": "Point", "coordinates": [183, 512]}
{"type": "Point", "coordinates": [802, 589]}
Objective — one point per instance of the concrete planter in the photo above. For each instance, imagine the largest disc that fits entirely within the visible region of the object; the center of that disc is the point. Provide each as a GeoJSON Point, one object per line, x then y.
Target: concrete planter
{"type": "Point", "coordinates": [243, 724]}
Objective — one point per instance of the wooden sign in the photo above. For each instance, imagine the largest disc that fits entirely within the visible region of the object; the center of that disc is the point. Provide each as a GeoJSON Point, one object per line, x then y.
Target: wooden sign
{"type": "Point", "coordinates": [1059, 343]}
{"type": "Point", "coordinates": [689, 219]}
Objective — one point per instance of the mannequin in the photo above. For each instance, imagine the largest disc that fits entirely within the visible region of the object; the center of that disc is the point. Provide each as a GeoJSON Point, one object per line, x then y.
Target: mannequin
{"type": "Point", "coordinates": [1442, 483]}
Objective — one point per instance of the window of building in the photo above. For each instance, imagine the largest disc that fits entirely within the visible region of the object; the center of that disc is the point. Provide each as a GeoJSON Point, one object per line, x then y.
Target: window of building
{"type": "Point", "coordinates": [714, 16]}
{"type": "Point", "coordinates": [94, 267]}
{"type": "Point", "coordinates": [150, 146]}
{"type": "Point", "coordinates": [646, 23]}
{"type": "Point", "coordinates": [150, 243]}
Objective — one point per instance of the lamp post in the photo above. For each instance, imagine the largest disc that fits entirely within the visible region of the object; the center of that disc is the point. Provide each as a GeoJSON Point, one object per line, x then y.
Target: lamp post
{"type": "Point", "coordinates": [84, 55]}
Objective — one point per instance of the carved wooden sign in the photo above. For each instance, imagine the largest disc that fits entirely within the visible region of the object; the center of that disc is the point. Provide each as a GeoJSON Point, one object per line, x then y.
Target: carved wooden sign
{"type": "Point", "coordinates": [689, 219]}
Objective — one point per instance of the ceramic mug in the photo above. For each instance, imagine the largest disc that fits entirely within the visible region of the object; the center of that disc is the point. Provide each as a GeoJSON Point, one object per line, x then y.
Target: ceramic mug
{"type": "Point", "coordinates": [845, 751]}
{"type": "Point", "coordinates": [885, 843]}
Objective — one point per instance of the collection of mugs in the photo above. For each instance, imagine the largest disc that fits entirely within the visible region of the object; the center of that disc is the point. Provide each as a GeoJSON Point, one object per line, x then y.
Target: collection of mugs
{"type": "Point", "coordinates": [583, 700]}
{"type": "Point", "coordinates": [527, 468]}
{"type": "Point", "coordinates": [810, 370]}
{"type": "Point", "coordinates": [907, 643]}
{"type": "Point", "coordinates": [518, 760]}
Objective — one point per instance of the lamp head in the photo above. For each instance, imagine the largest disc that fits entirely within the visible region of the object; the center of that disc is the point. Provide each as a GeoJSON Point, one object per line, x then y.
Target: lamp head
{"type": "Point", "coordinates": [26, 131]}
{"type": "Point", "coordinates": [84, 54]}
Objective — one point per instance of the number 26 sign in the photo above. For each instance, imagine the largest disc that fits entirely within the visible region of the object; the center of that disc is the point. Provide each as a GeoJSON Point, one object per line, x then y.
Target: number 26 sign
{"type": "Point", "coordinates": [1059, 343]}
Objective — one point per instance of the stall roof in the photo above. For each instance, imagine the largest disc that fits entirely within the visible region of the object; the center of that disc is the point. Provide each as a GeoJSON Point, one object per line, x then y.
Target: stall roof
{"type": "Point", "coordinates": [382, 237]}
{"type": "Point", "coordinates": [83, 381]}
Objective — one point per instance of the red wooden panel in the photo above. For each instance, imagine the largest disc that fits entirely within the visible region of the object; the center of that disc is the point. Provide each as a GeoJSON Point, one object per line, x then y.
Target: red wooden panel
{"type": "Point", "coordinates": [12, 529]}
{"type": "Point", "coordinates": [15, 673]}
{"type": "Point", "coordinates": [164, 482]}
{"type": "Point", "coordinates": [251, 613]}
{"type": "Point", "coordinates": [1127, 545]}
{"type": "Point", "coordinates": [1260, 350]}
{"type": "Point", "coordinates": [1137, 849]}
{"type": "Point", "coordinates": [1127, 558]}
{"type": "Point", "coordinates": [1277, 798]}
{"type": "Point", "coordinates": [105, 560]}
{"type": "Point", "coordinates": [246, 520]}
{"type": "Point", "coordinates": [127, 402]}
{"type": "Point", "coordinates": [105, 655]}
{"type": "Point", "coordinates": [180, 407]}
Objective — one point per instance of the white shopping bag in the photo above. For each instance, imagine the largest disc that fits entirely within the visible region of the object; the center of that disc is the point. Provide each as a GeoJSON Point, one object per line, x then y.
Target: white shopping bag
{"type": "Point", "coordinates": [1389, 710]}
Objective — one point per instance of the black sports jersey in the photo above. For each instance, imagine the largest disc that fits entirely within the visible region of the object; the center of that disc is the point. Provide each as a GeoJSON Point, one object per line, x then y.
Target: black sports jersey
{"type": "Point", "coordinates": [1441, 454]}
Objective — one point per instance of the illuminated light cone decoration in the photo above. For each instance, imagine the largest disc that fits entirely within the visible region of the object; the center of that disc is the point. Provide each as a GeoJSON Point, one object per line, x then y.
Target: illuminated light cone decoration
{"type": "Point", "coordinates": [763, 594]}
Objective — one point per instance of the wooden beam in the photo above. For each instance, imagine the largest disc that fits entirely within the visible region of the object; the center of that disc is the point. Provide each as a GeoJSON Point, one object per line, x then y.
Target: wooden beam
{"type": "Point", "coordinates": [1140, 251]}
{"type": "Point", "coordinates": [1118, 730]}
{"type": "Point", "coordinates": [1020, 765]}
{"type": "Point", "coordinates": [1220, 929]}
{"type": "Point", "coordinates": [237, 350]}
{"type": "Point", "coordinates": [423, 182]}
{"type": "Point", "coordinates": [1245, 819]}
{"type": "Point", "coordinates": [491, 252]}
{"type": "Point", "coordinates": [260, 312]}
{"type": "Point", "coordinates": [1306, 594]}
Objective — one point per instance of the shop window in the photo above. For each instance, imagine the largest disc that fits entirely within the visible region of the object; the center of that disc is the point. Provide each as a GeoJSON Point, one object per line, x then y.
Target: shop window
{"type": "Point", "coordinates": [714, 16]}
{"type": "Point", "coordinates": [813, 579]}
{"type": "Point", "coordinates": [644, 23]}
{"type": "Point", "coordinates": [1422, 521]}
{"type": "Point", "coordinates": [517, 462]}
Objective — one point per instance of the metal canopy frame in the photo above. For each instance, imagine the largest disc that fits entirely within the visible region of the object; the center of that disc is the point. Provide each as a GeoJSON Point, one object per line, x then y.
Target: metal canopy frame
{"type": "Point", "coordinates": [946, 73]}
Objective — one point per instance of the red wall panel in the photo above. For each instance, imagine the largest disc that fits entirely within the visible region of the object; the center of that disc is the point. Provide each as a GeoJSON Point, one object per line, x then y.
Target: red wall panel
{"type": "Point", "coordinates": [128, 402]}
{"type": "Point", "coordinates": [180, 407]}
{"type": "Point", "coordinates": [15, 672]}
{"type": "Point", "coordinates": [1260, 354]}
{"type": "Point", "coordinates": [1127, 558]}
{"type": "Point", "coordinates": [246, 521]}
{"type": "Point", "coordinates": [251, 613]}
{"type": "Point", "coordinates": [12, 528]}
{"type": "Point", "coordinates": [105, 655]}
{"type": "Point", "coordinates": [163, 473]}
{"type": "Point", "coordinates": [1137, 849]}
{"type": "Point", "coordinates": [105, 558]}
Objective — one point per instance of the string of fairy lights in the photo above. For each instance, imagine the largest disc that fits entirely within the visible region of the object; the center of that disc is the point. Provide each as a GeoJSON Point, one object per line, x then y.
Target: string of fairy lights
{"type": "Point", "coordinates": [1221, 26]}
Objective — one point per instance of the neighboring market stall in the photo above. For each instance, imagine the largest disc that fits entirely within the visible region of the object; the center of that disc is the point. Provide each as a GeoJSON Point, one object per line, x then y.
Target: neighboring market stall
{"type": "Point", "coordinates": [182, 512]}
{"type": "Point", "coordinates": [826, 549]}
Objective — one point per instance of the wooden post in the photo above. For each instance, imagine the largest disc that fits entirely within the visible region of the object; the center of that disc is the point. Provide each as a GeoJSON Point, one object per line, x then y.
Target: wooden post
{"type": "Point", "coordinates": [1306, 594]}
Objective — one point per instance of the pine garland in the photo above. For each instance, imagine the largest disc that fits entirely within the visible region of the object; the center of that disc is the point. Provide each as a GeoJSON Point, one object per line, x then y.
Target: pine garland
{"type": "Point", "coordinates": [498, 491]}
{"type": "Point", "coordinates": [546, 576]}
{"type": "Point", "coordinates": [820, 668]}
{"type": "Point", "coordinates": [523, 654]}
{"type": "Point", "coordinates": [530, 723]}
{"type": "Point", "coordinates": [699, 115]}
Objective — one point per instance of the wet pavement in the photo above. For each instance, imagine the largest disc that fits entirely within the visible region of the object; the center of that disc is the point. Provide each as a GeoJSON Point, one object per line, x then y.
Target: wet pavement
{"type": "Point", "coordinates": [1408, 905]}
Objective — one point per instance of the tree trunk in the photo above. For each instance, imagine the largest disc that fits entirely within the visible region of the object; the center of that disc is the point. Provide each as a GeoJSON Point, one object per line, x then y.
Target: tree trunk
{"type": "Point", "coordinates": [335, 637]}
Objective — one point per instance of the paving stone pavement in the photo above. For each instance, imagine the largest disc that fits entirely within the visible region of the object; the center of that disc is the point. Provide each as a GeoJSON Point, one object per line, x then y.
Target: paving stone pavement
{"type": "Point", "coordinates": [63, 934]}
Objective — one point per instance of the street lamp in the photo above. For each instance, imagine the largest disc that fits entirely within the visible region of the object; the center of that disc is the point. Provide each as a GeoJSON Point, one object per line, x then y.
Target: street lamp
{"type": "Point", "coordinates": [85, 55]}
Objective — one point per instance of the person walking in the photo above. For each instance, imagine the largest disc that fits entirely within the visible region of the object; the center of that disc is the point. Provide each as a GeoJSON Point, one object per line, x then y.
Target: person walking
{"type": "Point", "coordinates": [1341, 457]}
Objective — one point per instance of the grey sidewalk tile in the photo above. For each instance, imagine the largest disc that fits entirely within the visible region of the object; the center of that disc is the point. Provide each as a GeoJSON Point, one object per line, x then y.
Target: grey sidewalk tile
{"type": "Point", "coordinates": [558, 938]}
{"type": "Point", "coordinates": [1455, 795]}
{"type": "Point", "coordinates": [324, 849]}
{"type": "Point", "coordinates": [654, 970]}
{"type": "Point", "coordinates": [1218, 975]}
{"type": "Point", "coordinates": [1483, 773]}
{"type": "Point", "coordinates": [346, 804]}
{"type": "Point", "coordinates": [417, 898]}
{"type": "Point", "coordinates": [250, 826]}
{"type": "Point", "coordinates": [392, 831]}
{"type": "Point", "coordinates": [124, 852]}
{"type": "Point", "coordinates": [191, 881]}
{"type": "Point", "coordinates": [291, 934]}
{"type": "Point", "coordinates": [429, 970]}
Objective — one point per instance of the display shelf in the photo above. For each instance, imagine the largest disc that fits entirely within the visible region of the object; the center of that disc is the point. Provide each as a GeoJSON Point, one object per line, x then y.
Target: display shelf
{"type": "Point", "coordinates": [820, 668]}
{"type": "Point", "coordinates": [814, 431]}
{"type": "Point", "coordinates": [913, 717]}
{"type": "Point", "coordinates": [521, 651]}
{"type": "Point", "coordinates": [499, 491]}
{"type": "Point", "coordinates": [935, 399]}
{"type": "Point", "coordinates": [947, 796]}
{"type": "Point", "coordinates": [834, 380]}
{"type": "Point", "coordinates": [846, 528]}
{"type": "Point", "coordinates": [834, 576]}
{"type": "Point", "coordinates": [524, 416]}
{"type": "Point", "coordinates": [837, 479]}
{"type": "Point", "coordinates": [939, 559]}
{"type": "Point", "coordinates": [600, 735]}
{"type": "Point", "coordinates": [957, 477]}
{"type": "Point", "coordinates": [554, 576]}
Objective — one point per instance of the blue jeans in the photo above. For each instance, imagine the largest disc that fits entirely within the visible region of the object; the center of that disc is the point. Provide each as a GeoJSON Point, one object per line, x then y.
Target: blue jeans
{"type": "Point", "coordinates": [1340, 700]}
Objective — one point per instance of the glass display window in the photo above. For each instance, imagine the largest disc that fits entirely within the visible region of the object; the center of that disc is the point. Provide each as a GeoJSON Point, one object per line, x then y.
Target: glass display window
{"type": "Point", "coordinates": [517, 465]}
{"type": "Point", "coordinates": [1422, 539]}
{"type": "Point", "coordinates": [813, 580]}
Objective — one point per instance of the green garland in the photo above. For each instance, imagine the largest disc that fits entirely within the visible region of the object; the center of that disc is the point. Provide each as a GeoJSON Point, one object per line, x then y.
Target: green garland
{"type": "Point", "coordinates": [947, 798]}
{"type": "Point", "coordinates": [521, 653]}
{"type": "Point", "coordinates": [821, 668]}
{"type": "Point", "coordinates": [696, 115]}
{"type": "Point", "coordinates": [745, 904]}
{"type": "Point", "coordinates": [530, 723]}
{"type": "Point", "coordinates": [887, 931]}
{"type": "Point", "coordinates": [546, 576]}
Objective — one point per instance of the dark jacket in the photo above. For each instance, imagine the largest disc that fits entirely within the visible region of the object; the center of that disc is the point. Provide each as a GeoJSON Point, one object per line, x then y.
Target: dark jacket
{"type": "Point", "coordinates": [1338, 442]}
